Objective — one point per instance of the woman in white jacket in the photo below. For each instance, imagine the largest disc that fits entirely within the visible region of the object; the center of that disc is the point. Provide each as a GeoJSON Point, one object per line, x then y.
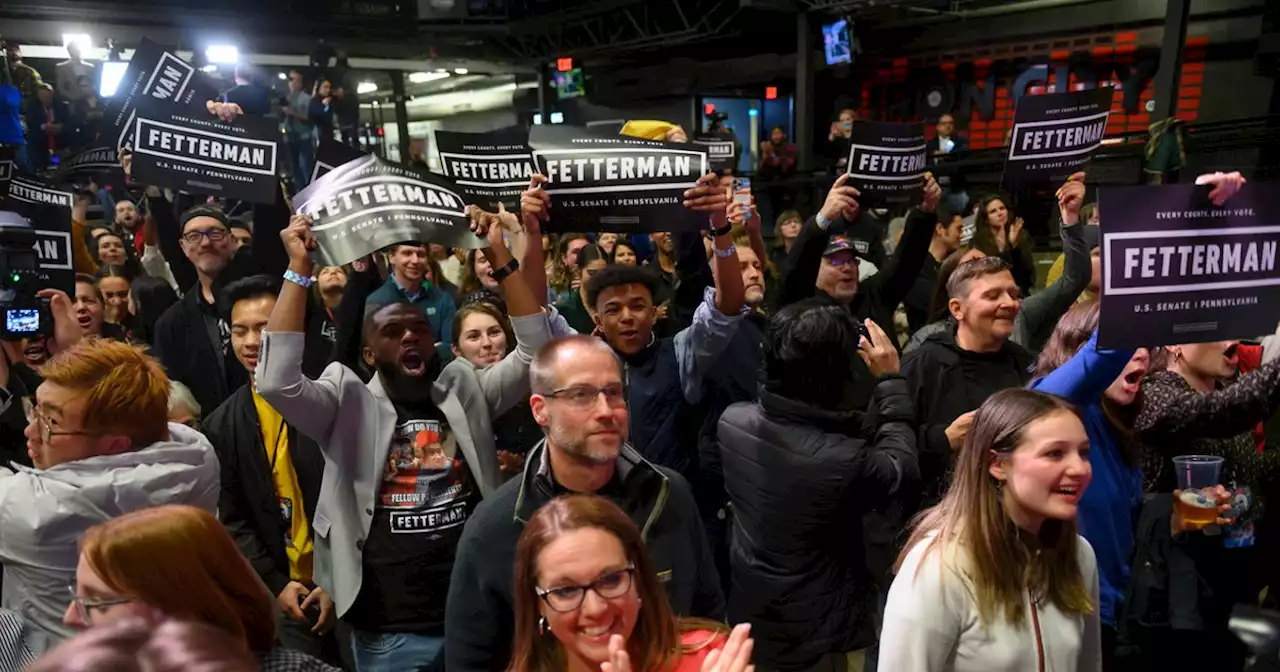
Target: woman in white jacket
{"type": "Point", "coordinates": [995, 578]}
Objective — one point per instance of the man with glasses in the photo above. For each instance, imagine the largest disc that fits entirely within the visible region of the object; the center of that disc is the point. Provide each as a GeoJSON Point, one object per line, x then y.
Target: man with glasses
{"type": "Point", "coordinates": [192, 339]}
{"type": "Point", "coordinates": [580, 400]}
{"type": "Point", "coordinates": [101, 444]}
{"type": "Point", "coordinates": [406, 456]}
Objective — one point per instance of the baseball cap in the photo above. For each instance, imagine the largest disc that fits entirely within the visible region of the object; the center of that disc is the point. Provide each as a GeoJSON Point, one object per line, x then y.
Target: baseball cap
{"type": "Point", "coordinates": [840, 243]}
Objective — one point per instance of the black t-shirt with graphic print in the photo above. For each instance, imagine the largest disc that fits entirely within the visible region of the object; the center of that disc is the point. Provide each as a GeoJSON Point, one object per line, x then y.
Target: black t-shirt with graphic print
{"type": "Point", "coordinates": [423, 503]}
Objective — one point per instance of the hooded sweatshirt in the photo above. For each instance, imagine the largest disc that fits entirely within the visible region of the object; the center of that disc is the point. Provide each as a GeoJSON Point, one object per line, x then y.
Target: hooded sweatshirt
{"type": "Point", "coordinates": [1109, 506]}
{"type": "Point", "coordinates": [45, 512]}
{"type": "Point", "coordinates": [948, 381]}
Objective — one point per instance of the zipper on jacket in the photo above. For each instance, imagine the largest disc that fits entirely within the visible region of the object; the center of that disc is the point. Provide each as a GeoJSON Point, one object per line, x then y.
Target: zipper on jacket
{"type": "Point", "coordinates": [626, 385]}
{"type": "Point", "coordinates": [1035, 624]}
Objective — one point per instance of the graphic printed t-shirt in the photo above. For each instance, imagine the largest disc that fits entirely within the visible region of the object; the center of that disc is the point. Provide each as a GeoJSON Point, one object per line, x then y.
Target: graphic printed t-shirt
{"type": "Point", "coordinates": [426, 496]}
{"type": "Point", "coordinates": [293, 516]}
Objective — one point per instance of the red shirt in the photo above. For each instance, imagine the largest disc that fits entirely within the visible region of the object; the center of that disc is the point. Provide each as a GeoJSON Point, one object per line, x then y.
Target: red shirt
{"type": "Point", "coordinates": [698, 644]}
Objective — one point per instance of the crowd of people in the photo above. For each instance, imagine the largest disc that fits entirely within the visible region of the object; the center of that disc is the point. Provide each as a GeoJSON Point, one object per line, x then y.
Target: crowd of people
{"type": "Point", "coordinates": [600, 451]}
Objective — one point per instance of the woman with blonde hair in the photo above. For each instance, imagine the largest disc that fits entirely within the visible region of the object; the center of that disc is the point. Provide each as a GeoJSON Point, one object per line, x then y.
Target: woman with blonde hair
{"type": "Point", "coordinates": [995, 577]}
{"type": "Point", "coordinates": [587, 600]}
{"type": "Point", "coordinates": [179, 562]}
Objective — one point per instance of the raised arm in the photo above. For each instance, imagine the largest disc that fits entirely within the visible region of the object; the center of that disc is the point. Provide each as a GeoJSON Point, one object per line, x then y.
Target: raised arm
{"type": "Point", "coordinates": [700, 345]}
{"type": "Point", "coordinates": [900, 273]}
{"type": "Point", "coordinates": [1085, 376]}
{"type": "Point", "coordinates": [506, 383]}
{"type": "Point", "coordinates": [800, 274]}
{"type": "Point", "coordinates": [1041, 311]}
{"type": "Point", "coordinates": [309, 405]}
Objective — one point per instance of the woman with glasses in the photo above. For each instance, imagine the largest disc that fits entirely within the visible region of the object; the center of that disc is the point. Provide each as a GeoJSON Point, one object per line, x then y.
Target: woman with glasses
{"type": "Point", "coordinates": [177, 562]}
{"type": "Point", "coordinates": [587, 599]}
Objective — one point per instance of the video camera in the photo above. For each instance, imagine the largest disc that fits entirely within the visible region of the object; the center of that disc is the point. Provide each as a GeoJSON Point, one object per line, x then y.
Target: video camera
{"type": "Point", "coordinates": [23, 314]}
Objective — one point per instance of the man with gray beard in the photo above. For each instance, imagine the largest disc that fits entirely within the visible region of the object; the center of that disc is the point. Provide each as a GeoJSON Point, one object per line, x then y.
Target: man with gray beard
{"type": "Point", "coordinates": [579, 399]}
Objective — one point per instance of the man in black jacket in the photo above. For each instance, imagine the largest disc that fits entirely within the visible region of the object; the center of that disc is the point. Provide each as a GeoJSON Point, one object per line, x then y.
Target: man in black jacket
{"type": "Point", "coordinates": [578, 398]}
{"type": "Point", "coordinates": [270, 482]}
{"type": "Point", "coordinates": [954, 371]}
{"type": "Point", "coordinates": [192, 340]}
{"type": "Point", "coordinates": [801, 472]}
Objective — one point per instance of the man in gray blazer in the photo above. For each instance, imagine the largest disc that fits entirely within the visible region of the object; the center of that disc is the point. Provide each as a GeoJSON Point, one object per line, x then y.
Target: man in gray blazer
{"type": "Point", "coordinates": [407, 456]}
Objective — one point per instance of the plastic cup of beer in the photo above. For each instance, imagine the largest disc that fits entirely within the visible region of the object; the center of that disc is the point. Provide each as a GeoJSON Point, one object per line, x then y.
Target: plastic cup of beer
{"type": "Point", "coordinates": [1197, 475]}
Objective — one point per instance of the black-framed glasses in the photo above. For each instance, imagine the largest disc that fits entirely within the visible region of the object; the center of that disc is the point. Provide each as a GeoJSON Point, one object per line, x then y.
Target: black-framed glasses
{"type": "Point", "coordinates": [46, 430]}
{"type": "Point", "coordinates": [214, 234]}
{"type": "Point", "coordinates": [583, 396]}
{"type": "Point", "coordinates": [567, 598]}
{"type": "Point", "coordinates": [85, 606]}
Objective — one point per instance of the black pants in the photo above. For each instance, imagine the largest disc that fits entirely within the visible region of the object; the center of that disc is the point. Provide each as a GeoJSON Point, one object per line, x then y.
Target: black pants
{"type": "Point", "coordinates": [333, 647]}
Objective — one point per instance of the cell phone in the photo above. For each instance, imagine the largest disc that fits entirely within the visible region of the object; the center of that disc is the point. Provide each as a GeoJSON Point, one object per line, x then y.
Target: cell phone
{"type": "Point", "coordinates": [863, 331]}
{"type": "Point", "coordinates": [742, 184]}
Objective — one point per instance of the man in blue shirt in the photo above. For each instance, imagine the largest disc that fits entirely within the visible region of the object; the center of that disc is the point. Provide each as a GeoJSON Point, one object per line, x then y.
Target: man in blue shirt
{"type": "Point", "coordinates": [408, 283]}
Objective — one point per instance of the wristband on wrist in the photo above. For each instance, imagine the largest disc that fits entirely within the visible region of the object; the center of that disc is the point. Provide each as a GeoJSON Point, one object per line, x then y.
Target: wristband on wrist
{"type": "Point", "coordinates": [300, 280]}
{"type": "Point", "coordinates": [821, 221]}
{"type": "Point", "coordinates": [716, 233]}
{"type": "Point", "coordinates": [726, 252]}
{"type": "Point", "coordinates": [502, 272]}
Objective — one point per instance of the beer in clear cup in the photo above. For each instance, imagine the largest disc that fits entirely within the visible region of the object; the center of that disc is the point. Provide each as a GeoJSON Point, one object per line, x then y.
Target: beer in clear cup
{"type": "Point", "coordinates": [1197, 476]}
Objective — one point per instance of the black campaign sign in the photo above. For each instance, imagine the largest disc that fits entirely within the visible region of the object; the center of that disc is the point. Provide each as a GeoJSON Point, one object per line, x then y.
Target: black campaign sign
{"type": "Point", "coordinates": [363, 206]}
{"type": "Point", "coordinates": [617, 183]}
{"type": "Point", "coordinates": [92, 161]}
{"type": "Point", "coordinates": [49, 211]}
{"type": "Point", "coordinates": [489, 168]}
{"type": "Point", "coordinates": [330, 154]}
{"type": "Point", "coordinates": [1178, 269]}
{"type": "Point", "coordinates": [156, 74]}
{"type": "Point", "coordinates": [1055, 134]}
{"type": "Point", "coordinates": [6, 170]}
{"type": "Point", "coordinates": [721, 153]}
{"type": "Point", "coordinates": [202, 154]}
{"type": "Point", "coordinates": [887, 161]}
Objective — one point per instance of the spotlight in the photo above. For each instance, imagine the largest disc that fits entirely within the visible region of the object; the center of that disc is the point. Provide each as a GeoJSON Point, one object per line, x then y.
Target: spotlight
{"type": "Point", "coordinates": [222, 53]}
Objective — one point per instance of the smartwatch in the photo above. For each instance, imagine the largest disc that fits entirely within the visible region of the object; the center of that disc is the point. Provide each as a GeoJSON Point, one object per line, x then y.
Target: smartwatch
{"type": "Point", "coordinates": [500, 273]}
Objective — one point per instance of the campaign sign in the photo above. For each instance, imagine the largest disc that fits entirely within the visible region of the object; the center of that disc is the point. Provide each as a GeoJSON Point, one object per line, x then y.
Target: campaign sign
{"type": "Point", "coordinates": [617, 183]}
{"type": "Point", "coordinates": [887, 162]}
{"type": "Point", "coordinates": [363, 206]}
{"type": "Point", "coordinates": [722, 153]}
{"type": "Point", "coordinates": [1055, 134]}
{"type": "Point", "coordinates": [330, 154]}
{"type": "Point", "coordinates": [6, 170]}
{"type": "Point", "coordinates": [156, 74]}
{"type": "Point", "coordinates": [202, 154]}
{"type": "Point", "coordinates": [90, 162]}
{"type": "Point", "coordinates": [487, 167]}
{"type": "Point", "coordinates": [1178, 269]}
{"type": "Point", "coordinates": [48, 209]}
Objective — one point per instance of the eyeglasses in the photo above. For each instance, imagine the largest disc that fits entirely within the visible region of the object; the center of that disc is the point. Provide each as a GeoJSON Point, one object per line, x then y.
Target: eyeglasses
{"type": "Point", "coordinates": [583, 396]}
{"type": "Point", "coordinates": [46, 430]}
{"type": "Point", "coordinates": [85, 606]}
{"type": "Point", "coordinates": [214, 235]}
{"type": "Point", "coordinates": [568, 598]}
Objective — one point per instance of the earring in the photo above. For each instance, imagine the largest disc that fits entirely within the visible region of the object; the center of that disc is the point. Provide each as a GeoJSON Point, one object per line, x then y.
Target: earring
{"type": "Point", "coordinates": [542, 625]}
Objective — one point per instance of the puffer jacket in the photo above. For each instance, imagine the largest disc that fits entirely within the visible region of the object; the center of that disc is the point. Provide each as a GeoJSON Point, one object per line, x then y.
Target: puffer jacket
{"type": "Point", "coordinates": [45, 512]}
{"type": "Point", "coordinates": [800, 478]}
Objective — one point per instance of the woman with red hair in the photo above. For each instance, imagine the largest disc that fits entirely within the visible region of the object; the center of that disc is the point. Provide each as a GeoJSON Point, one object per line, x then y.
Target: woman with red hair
{"type": "Point", "coordinates": [177, 562]}
{"type": "Point", "coordinates": [588, 600]}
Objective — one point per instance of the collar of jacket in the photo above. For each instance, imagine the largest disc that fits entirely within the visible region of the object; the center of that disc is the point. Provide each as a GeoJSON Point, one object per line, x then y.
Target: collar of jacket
{"type": "Point", "coordinates": [423, 292]}
{"type": "Point", "coordinates": [646, 354]}
{"type": "Point", "coordinates": [641, 484]}
{"type": "Point", "coordinates": [798, 412]}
